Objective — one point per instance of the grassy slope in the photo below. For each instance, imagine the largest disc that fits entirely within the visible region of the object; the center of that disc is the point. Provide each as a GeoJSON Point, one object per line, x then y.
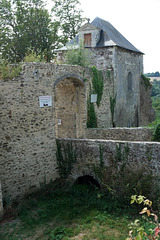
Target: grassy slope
{"type": "Point", "coordinates": [80, 213]}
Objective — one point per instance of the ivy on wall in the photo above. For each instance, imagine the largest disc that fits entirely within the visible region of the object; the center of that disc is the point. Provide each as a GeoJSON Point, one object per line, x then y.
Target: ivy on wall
{"type": "Point", "coordinates": [91, 113]}
{"type": "Point", "coordinates": [97, 88]}
{"type": "Point", "coordinates": [146, 82]}
{"type": "Point", "coordinates": [66, 157]}
{"type": "Point", "coordinates": [112, 109]}
{"type": "Point", "coordinates": [97, 84]}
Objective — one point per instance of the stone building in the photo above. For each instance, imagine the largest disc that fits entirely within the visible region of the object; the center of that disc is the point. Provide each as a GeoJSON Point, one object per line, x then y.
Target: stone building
{"type": "Point", "coordinates": [48, 101]}
{"type": "Point", "coordinates": [111, 51]}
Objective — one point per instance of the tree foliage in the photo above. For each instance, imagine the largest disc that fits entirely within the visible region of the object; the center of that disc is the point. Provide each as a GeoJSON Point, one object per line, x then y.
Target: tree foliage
{"type": "Point", "coordinates": [156, 97]}
{"type": "Point", "coordinates": [78, 55]}
{"type": "Point", "coordinates": [25, 24]}
{"type": "Point", "coordinates": [69, 18]}
{"type": "Point", "coordinates": [153, 74]}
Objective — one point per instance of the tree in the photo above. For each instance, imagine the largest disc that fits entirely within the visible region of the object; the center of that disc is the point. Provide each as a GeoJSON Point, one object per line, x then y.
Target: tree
{"type": "Point", "coordinates": [78, 55]}
{"type": "Point", "coordinates": [26, 25]}
{"type": "Point", "coordinates": [69, 18]}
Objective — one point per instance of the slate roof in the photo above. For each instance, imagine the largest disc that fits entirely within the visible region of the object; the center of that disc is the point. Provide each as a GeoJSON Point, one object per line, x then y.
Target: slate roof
{"type": "Point", "coordinates": [109, 36]}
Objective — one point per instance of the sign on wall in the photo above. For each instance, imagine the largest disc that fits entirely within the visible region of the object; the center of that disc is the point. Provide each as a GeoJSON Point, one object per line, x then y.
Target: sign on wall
{"type": "Point", "coordinates": [45, 101]}
{"type": "Point", "coordinates": [93, 98]}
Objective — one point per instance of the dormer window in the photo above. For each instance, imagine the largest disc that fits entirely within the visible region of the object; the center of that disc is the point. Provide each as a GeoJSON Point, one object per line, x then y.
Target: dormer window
{"type": "Point", "coordinates": [87, 40]}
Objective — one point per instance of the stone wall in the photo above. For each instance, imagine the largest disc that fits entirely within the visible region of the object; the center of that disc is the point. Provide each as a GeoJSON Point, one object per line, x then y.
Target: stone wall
{"type": "Point", "coordinates": [28, 131]}
{"type": "Point", "coordinates": [91, 154]}
{"type": "Point", "coordinates": [27, 144]}
{"type": "Point", "coordinates": [127, 110]}
{"type": "Point", "coordinates": [1, 202]}
{"type": "Point", "coordinates": [123, 134]}
{"type": "Point", "coordinates": [102, 58]}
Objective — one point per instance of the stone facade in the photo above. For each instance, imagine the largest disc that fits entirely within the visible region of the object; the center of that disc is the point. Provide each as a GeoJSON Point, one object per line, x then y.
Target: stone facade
{"type": "Point", "coordinates": [131, 109]}
{"type": "Point", "coordinates": [1, 202]}
{"type": "Point", "coordinates": [123, 134]}
{"type": "Point", "coordinates": [28, 131]}
{"type": "Point", "coordinates": [110, 50]}
{"type": "Point", "coordinates": [90, 154]}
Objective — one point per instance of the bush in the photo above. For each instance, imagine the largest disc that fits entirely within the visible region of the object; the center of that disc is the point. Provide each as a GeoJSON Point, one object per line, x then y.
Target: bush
{"type": "Point", "coordinates": [149, 229]}
{"type": "Point", "coordinates": [31, 56]}
{"type": "Point", "coordinates": [78, 55]}
{"type": "Point", "coordinates": [9, 71]}
{"type": "Point", "coordinates": [156, 135]}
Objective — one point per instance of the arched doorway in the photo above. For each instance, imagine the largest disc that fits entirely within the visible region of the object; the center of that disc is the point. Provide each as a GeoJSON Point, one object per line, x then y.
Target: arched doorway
{"type": "Point", "coordinates": [70, 107]}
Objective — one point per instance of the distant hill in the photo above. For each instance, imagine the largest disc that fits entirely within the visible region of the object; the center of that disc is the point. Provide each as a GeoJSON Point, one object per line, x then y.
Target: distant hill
{"type": "Point", "coordinates": [153, 74]}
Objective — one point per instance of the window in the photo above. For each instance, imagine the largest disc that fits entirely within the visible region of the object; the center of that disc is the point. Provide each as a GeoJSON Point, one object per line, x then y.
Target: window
{"type": "Point", "coordinates": [129, 81]}
{"type": "Point", "coordinates": [87, 40]}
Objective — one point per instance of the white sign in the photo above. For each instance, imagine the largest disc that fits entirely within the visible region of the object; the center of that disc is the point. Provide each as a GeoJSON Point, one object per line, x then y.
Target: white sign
{"type": "Point", "coordinates": [93, 98]}
{"type": "Point", "coordinates": [59, 121]}
{"type": "Point", "coordinates": [45, 101]}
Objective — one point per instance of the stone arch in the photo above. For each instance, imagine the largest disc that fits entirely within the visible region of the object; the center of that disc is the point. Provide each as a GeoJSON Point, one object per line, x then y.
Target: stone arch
{"type": "Point", "coordinates": [70, 106]}
{"type": "Point", "coordinates": [87, 180]}
{"type": "Point", "coordinates": [69, 76]}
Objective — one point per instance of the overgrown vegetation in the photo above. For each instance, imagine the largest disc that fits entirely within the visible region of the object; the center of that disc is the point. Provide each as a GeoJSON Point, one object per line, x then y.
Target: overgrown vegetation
{"type": "Point", "coordinates": [146, 81]}
{"type": "Point", "coordinates": [148, 228]}
{"type": "Point", "coordinates": [78, 55]}
{"type": "Point", "coordinates": [60, 212]}
{"type": "Point", "coordinates": [9, 71]}
{"type": "Point", "coordinates": [112, 109]}
{"type": "Point", "coordinates": [97, 84]}
{"type": "Point", "coordinates": [120, 179]}
{"type": "Point", "coordinates": [155, 94]}
{"type": "Point", "coordinates": [156, 134]}
{"type": "Point", "coordinates": [91, 113]}
{"type": "Point", "coordinates": [31, 56]}
{"type": "Point", "coordinates": [66, 157]}
{"type": "Point", "coordinates": [57, 212]}
{"type": "Point", "coordinates": [96, 88]}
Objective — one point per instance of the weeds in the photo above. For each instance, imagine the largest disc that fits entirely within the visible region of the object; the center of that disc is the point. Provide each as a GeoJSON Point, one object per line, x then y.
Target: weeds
{"type": "Point", "coordinates": [65, 213]}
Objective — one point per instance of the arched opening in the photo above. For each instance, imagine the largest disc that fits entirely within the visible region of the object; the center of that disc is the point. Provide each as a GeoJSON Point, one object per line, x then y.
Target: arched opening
{"type": "Point", "coordinates": [70, 107]}
{"type": "Point", "coordinates": [87, 180]}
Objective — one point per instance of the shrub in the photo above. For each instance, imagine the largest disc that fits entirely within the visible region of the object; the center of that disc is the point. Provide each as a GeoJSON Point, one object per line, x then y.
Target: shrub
{"type": "Point", "coordinates": [31, 56]}
{"type": "Point", "coordinates": [139, 230]}
{"type": "Point", "coordinates": [78, 55]}
{"type": "Point", "coordinates": [9, 71]}
{"type": "Point", "coordinates": [156, 134]}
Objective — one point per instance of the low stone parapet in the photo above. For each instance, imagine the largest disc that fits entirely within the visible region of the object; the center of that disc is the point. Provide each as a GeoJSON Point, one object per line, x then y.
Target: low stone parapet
{"type": "Point", "coordinates": [123, 134]}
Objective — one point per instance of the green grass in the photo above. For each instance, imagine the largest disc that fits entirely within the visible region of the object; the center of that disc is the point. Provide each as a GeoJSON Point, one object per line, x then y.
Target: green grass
{"type": "Point", "coordinates": [80, 212]}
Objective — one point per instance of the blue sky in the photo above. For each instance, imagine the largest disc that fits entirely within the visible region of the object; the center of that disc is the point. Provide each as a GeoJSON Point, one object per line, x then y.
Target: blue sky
{"type": "Point", "coordinates": [136, 20]}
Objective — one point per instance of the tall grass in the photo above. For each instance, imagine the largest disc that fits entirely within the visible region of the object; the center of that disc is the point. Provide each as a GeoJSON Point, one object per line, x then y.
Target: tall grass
{"type": "Point", "coordinates": [80, 212]}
